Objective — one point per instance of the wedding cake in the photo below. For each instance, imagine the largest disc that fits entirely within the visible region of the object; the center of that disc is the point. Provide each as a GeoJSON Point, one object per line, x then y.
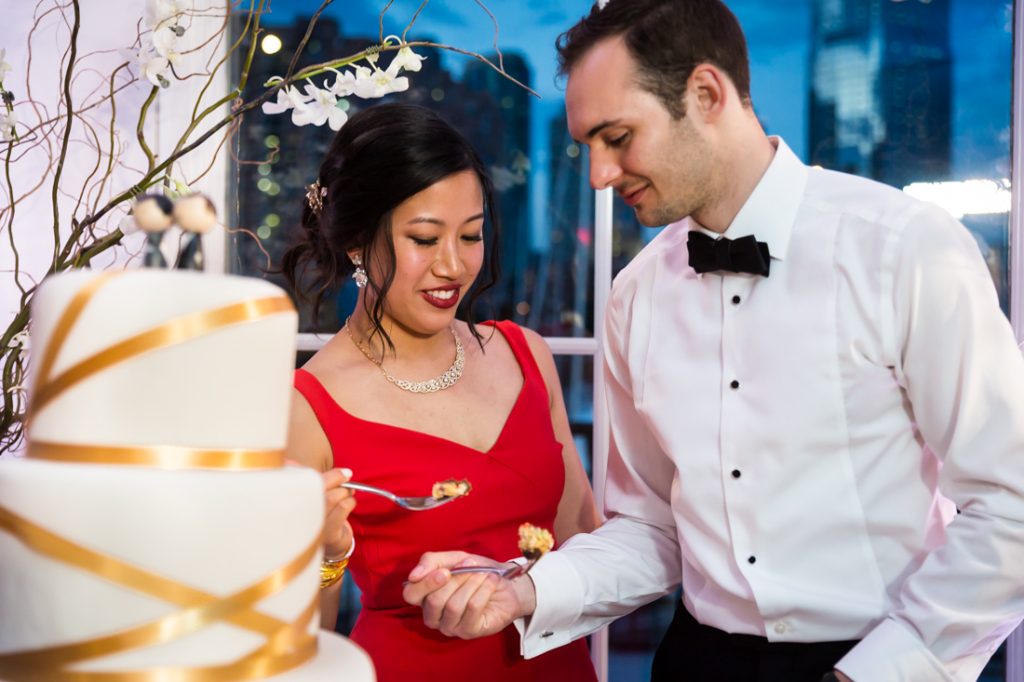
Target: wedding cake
{"type": "Point", "coordinates": [153, 530]}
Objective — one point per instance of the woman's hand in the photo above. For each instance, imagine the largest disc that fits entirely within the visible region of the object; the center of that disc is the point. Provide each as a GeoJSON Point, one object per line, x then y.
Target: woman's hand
{"type": "Point", "coordinates": [339, 503]}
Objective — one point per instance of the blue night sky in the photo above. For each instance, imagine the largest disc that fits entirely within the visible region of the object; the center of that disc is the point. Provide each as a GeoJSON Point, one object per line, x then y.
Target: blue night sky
{"type": "Point", "coordinates": [778, 36]}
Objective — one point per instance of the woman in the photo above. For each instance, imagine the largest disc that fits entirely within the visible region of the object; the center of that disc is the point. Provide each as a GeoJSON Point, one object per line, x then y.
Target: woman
{"type": "Point", "coordinates": [406, 396]}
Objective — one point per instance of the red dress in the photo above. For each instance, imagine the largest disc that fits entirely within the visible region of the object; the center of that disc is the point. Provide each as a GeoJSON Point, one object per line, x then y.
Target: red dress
{"type": "Point", "coordinates": [520, 479]}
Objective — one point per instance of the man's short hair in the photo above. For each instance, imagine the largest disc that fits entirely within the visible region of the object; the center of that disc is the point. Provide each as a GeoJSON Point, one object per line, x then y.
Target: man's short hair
{"type": "Point", "coordinates": [668, 39]}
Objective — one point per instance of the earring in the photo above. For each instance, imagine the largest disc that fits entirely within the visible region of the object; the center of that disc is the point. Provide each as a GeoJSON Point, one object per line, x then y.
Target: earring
{"type": "Point", "coordinates": [359, 275]}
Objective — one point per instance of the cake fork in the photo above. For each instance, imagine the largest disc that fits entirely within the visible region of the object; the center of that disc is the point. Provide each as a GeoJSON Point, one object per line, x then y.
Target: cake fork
{"type": "Point", "coordinates": [507, 572]}
{"type": "Point", "coordinates": [503, 571]}
{"type": "Point", "coordinates": [410, 503]}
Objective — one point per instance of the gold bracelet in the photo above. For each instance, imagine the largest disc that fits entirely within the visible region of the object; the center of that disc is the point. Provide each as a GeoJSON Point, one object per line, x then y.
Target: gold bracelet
{"type": "Point", "coordinates": [332, 571]}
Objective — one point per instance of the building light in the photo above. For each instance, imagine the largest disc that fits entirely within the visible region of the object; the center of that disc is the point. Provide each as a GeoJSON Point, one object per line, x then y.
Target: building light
{"type": "Point", "coordinates": [967, 197]}
{"type": "Point", "coordinates": [270, 44]}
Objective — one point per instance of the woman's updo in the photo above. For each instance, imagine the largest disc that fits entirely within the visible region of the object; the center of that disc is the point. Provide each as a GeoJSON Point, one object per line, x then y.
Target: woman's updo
{"type": "Point", "coordinates": [381, 156]}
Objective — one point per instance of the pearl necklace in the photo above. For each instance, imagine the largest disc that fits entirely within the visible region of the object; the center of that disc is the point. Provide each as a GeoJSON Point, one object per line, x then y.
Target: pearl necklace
{"type": "Point", "coordinates": [446, 380]}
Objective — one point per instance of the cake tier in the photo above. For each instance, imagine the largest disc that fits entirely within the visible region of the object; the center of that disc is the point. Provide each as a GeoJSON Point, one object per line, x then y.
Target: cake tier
{"type": "Point", "coordinates": [152, 568]}
{"type": "Point", "coordinates": [337, 659]}
{"type": "Point", "coordinates": [207, 383]}
{"type": "Point", "coordinates": [204, 535]}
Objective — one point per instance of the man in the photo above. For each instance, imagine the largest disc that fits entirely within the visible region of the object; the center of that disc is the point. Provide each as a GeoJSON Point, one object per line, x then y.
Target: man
{"type": "Point", "coordinates": [786, 402]}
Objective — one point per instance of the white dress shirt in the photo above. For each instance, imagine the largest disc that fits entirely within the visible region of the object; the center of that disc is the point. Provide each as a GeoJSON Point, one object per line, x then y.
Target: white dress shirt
{"type": "Point", "coordinates": [778, 444]}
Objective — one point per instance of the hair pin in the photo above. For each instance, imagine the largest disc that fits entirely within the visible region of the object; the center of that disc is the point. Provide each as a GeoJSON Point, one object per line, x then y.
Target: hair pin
{"type": "Point", "coordinates": [315, 194]}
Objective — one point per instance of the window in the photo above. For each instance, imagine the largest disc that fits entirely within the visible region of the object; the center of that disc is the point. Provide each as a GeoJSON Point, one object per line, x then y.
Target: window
{"type": "Point", "coordinates": [914, 93]}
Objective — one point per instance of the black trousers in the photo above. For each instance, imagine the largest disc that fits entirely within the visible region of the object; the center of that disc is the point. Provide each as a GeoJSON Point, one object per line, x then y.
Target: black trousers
{"type": "Point", "coordinates": [691, 652]}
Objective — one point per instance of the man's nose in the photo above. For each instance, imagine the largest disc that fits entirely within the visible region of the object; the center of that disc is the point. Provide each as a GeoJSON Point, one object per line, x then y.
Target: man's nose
{"type": "Point", "coordinates": [604, 171]}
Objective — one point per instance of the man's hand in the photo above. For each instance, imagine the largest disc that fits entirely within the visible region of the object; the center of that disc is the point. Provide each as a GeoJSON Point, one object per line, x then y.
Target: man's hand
{"type": "Point", "coordinates": [469, 605]}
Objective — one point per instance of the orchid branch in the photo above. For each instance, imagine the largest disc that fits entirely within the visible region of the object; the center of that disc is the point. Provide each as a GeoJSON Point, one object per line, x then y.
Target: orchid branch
{"type": "Point", "coordinates": [67, 129]}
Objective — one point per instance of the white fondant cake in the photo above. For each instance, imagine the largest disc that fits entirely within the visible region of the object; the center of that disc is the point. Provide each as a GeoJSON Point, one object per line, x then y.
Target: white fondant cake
{"type": "Point", "coordinates": [152, 531]}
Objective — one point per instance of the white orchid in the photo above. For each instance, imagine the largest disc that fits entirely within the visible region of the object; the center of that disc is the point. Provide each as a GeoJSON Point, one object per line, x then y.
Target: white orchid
{"type": "Point", "coordinates": [321, 105]}
{"type": "Point", "coordinates": [380, 83]}
{"type": "Point", "coordinates": [160, 11]}
{"type": "Point", "coordinates": [288, 97]}
{"type": "Point", "coordinates": [407, 59]}
{"type": "Point", "coordinates": [321, 108]}
{"type": "Point", "coordinates": [8, 120]}
{"type": "Point", "coordinates": [164, 40]}
{"type": "Point", "coordinates": [153, 67]}
{"type": "Point", "coordinates": [345, 84]}
{"type": "Point", "coordinates": [5, 68]}
{"type": "Point", "coordinates": [158, 51]}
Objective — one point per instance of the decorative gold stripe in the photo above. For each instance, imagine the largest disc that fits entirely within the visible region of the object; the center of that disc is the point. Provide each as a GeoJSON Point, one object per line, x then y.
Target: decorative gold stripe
{"type": "Point", "coordinates": [158, 456]}
{"type": "Point", "coordinates": [172, 332]}
{"type": "Point", "coordinates": [67, 321]}
{"type": "Point", "coordinates": [288, 644]}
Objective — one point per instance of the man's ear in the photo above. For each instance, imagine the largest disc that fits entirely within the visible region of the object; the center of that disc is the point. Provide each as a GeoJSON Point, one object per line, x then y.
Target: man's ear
{"type": "Point", "coordinates": [708, 92]}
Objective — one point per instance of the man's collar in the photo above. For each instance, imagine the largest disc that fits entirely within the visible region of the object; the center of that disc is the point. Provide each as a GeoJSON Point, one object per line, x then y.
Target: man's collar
{"type": "Point", "coordinates": [770, 211]}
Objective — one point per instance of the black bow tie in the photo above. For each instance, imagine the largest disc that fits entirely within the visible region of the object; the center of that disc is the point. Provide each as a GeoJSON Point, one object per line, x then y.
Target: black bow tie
{"type": "Point", "coordinates": [745, 254]}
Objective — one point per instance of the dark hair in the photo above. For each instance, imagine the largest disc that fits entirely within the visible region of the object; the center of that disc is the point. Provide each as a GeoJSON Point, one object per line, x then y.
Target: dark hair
{"type": "Point", "coordinates": [381, 156]}
{"type": "Point", "coordinates": [668, 39]}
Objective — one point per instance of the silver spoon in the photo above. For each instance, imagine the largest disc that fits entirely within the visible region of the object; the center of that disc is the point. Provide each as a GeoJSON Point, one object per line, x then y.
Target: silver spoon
{"type": "Point", "coordinates": [410, 503]}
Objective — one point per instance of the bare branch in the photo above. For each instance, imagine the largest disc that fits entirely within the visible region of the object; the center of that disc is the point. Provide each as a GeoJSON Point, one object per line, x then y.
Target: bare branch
{"type": "Point", "coordinates": [380, 39]}
{"type": "Point", "coordinates": [412, 21]}
{"type": "Point", "coordinates": [305, 38]}
{"type": "Point", "coordinates": [494, 20]}
{"type": "Point", "coordinates": [255, 238]}
{"type": "Point", "coordinates": [69, 107]}
{"type": "Point", "coordinates": [10, 225]}
{"type": "Point", "coordinates": [140, 128]}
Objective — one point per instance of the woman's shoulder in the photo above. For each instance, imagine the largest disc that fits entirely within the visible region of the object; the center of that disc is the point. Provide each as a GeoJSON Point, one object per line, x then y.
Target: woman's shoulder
{"type": "Point", "coordinates": [514, 335]}
{"type": "Point", "coordinates": [333, 357]}
{"type": "Point", "coordinates": [512, 332]}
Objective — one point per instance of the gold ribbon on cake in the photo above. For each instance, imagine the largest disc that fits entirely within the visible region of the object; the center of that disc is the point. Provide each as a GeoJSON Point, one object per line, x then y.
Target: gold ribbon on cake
{"type": "Point", "coordinates": [288, 644]}
{"type": "Point", "coordinates": [175, 331]}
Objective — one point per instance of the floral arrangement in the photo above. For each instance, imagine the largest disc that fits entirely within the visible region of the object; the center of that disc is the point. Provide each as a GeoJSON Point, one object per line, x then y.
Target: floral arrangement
{"type": "Point", "coordinates": [172, 37]}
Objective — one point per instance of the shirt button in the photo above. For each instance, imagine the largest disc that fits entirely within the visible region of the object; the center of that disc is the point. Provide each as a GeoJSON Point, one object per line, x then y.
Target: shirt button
{"type": "Point", "coordinates": [736, 473]}
{"type": "Point", "coordinates": [780, 628]}
{"type": "Point", "coordinates": [546, 634]}
{"type": "Point", "coordinates": [751, 559]}
{"type": "Point", "coordinates": [736, 300]}
{"type": "Point", "coordinates": [734, 384]}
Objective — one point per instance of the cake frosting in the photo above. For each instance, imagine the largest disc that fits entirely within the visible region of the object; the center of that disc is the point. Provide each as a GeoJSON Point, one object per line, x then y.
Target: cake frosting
{"type": "Point", "coordinates": [153, 531]}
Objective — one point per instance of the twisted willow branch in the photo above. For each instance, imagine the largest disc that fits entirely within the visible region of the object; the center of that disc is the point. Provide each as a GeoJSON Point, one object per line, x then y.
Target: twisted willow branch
{"type": "Point", "coordinates": [77, 252]}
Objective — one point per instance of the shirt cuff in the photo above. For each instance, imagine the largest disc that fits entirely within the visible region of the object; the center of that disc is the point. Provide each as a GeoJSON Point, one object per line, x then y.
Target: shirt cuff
{"type": "Point", "coordinates": [892, 652]}
{"type": "Point", "coordinates": [559, 604]}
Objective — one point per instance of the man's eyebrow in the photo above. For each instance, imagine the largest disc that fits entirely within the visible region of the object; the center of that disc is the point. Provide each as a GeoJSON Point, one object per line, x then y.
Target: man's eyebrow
{"type": "Point", "coordinates": [599, 127]}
